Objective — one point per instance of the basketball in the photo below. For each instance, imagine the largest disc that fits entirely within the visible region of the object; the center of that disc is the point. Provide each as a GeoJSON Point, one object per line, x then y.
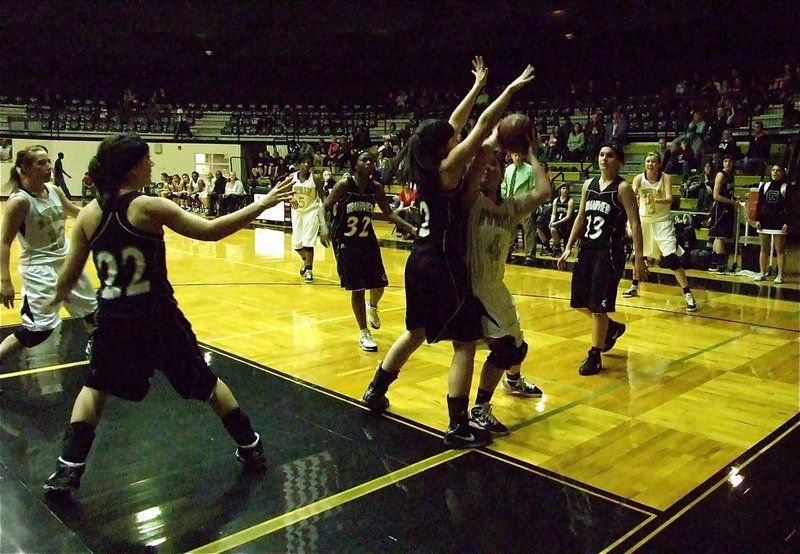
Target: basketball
{"type": "Point", "coordinates": [514, 132]}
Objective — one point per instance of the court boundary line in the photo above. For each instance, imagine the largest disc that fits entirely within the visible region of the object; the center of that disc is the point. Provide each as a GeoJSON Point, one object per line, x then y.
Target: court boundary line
{"type": "Point", "coordinates": [24, 372]}
{"type": "Point", "coordinates": [297, 515]}
{"type": "Point", "coordinates": [542, 472]}
{"type": "Point", "coordinates": [714, 482]}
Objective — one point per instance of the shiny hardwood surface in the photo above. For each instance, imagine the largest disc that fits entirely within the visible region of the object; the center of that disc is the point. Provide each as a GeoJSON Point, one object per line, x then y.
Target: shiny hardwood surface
{"type": "Point", "coordinates": [680, 397]}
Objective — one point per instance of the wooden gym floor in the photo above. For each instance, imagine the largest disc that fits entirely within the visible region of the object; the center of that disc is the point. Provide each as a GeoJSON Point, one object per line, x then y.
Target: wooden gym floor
{"type": "Point", "coordinates": [691, 429]}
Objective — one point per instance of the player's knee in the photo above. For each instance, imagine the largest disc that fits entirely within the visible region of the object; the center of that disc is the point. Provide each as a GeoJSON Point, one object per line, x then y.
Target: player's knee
{"type": "Point", "coordinates": [520, 353]}
{"type": "Point", "coordinates": [671, 262]}
{"type": "Point", "coordinates": [502, 353]}
{"type": "Point", "coordinates": [29, 339]}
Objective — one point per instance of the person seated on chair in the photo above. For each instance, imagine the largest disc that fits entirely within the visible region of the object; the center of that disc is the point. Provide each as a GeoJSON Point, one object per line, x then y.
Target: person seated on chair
{"type": "Point", "coordinates": [234, 195]}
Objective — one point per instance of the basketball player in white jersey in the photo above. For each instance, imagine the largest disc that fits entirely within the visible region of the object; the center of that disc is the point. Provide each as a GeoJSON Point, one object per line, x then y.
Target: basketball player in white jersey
{"type": "Point", "coordinates": [492, 226]}
{"type": "Point", "coordinates": [35, 214]}
{"type": "Point", "coordinates": [308, 218]}
{"type": "Point", "coordinates": [653, 191]}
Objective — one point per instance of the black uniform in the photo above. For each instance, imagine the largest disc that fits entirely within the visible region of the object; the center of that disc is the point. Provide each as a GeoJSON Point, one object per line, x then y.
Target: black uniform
{"type": "Point", "coordinates": [358, 256]}
{"type": "Point", "coordinates": [722, 214]}
{"type": "Point", "coordinates": [601, 259]}
{"type": "Point", "coordinates": [561, 212]}
{"type": "Point", "coordinates": [438, 291]}
{"type": "Point", "coordinates": [139, 325]}
{"type": "Point", "coordinates": [771, 206]}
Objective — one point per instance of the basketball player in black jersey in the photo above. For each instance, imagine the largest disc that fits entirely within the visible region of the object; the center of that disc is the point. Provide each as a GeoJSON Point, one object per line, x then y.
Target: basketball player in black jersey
{"type": "Point", "coordinates": [139, 325]}
{"type": "Point", "coordinates": [358, 256]}
{"type": "Point", "coordinates": [439, 300]}
{"type": "Point", "coordinates": [607, 201]}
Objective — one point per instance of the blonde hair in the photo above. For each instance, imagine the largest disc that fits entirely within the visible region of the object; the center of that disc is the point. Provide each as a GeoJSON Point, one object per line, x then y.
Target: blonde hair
{"type": "Point", "coordinates": [24, 161]}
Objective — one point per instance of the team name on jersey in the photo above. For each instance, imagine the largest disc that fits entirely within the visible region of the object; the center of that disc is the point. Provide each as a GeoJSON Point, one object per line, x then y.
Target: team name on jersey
{"type": "Point", "coordinates": [360, 207]}
{"type": "Point", "coordinates": [598, 206]}
{"type": "Point", "coordinates": [493, 219]}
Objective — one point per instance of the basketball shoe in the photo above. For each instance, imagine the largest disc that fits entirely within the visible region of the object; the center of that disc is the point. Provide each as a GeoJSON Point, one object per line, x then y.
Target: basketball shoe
{"type": "Point", "coordinates": [520, 387]}
{"type": "Point", "coordinates": [482, 416]}
{"type": "Point", "coordinates": [66, 479]}
{"type": "Point", "coordinates": [373, 317]}
{"type": "Point", "coordinates": [252, 457]}
{"type": "Point", "coordinates": [366, 342]}
{"type": "Point", "coordinates": [466, 435]}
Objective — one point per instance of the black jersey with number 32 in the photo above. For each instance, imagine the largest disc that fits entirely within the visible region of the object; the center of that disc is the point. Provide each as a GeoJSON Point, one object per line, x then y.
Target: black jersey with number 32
{"type": "Point", "coordinates": [131, 265]}
{"type": "Point", "coordinates": [352, 223]}
{"type": "Point", "coordinates": [605, 216]}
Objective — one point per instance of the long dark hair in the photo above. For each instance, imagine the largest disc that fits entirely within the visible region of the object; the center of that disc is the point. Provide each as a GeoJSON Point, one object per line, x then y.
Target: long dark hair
{"type": "Point", "coordinates": [418, 161]}
{"type": "Point", "coordinates": [115, 157]}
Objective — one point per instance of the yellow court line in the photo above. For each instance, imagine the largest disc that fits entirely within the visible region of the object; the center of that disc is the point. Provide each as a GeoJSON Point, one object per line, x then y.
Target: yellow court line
{"type": "Point", "coordinates": [300, 514]}
{"type": "Point", "coordinates": [42, 369]}
{"type": "Point", "coordinates": [309, 324]}
{"type": "Point", "coordinates": [567, 483]}
{"type": "Point", "coordinates": [710, 490]}
{"type": "Point", "coordinates": [624, 537]}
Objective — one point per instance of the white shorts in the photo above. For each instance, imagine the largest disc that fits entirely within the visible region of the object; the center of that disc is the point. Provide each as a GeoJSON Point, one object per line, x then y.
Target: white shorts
{"type": "Point", "coordinates": [38, 286]}
{"type": "Point", "coordinates": [305, 228]}
{"type": "Point", "coordinates": [659, 239]}
{"type": "Point", "coordinates": [501, 317]}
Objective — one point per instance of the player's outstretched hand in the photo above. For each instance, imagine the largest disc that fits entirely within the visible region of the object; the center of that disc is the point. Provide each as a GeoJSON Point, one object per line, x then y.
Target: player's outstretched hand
{"type": "Point", "coordinates": [7, 295]}
{"type": "Point", "coordinates": [480, 71]}
{"type": "Point", "coordinates": [562, 261]}
{"type": "Point", "coordinates": [640, 269]}
{"type": "Point", "coordinates": [526, 77]}
{"type": "Point", "coordinates": [279, 193]}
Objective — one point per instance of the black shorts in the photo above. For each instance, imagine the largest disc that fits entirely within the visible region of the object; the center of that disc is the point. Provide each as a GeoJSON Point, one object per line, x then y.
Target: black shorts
{"type": "Point", "coordinates": [721, 222]}
{"type": "Point", "coordinates": [595, 279]}
{"type": "Point", "coordinates": [439, 298]}
{"type": "Point", "coordinates": [360, 266]}
{"type": "Point", "coordinates": [126, 353]}
{"type": "Point", "coordinates": [563, 230]}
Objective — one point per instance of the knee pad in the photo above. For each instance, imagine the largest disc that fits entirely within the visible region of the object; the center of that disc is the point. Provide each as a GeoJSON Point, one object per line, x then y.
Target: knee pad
{"type": "Point", "coordinates": [502, 353]}
{"type": "Point", "coordinates": [671, 262]}
{"type": "Point", "coordinates": [520, 352]}
{"type": "Point", "coordinates": [29, 339]}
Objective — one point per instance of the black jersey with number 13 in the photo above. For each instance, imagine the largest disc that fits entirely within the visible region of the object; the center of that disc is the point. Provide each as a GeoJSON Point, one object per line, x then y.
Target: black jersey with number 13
{"type": "Point", "coordinates": [605, 216]}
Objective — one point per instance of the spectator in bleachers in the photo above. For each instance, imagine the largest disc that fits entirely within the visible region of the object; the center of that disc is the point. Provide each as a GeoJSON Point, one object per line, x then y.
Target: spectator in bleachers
{"type": "Point", "coordinates": [705, 193]}
{"type": "Point", "coordinates": [361, 139]}
{"type": "Point", "coordinates": [327, 182]}
{"type": "Point", "coordinates": [664, 153]}
{"type": "Point", "coordinates": [385, 171]}
{"type": "Point", "coordinates": [405, 206]}
{"type": "Point", "coordinates": [386, 150]}
{"type": "Point", "coordinates": [726, 146]}
{"type": "Point", "coordinates": [695, 132]}
{"type": "Point", "coordinates": [554, 148]}
{"type": "Point", "coordinates": [682, 161]}
{"type": "Point", "coordinates": [333, 152]}
{"type": "Point", "coordinates": [716, 125]}
{"type": "Point", "coordinates": [757, 151]}
{"type": "Point", "coordinates": [617, 130]}
{"type": "Point", "coordinates": [576, 143]}
{"type": "Point", "coordinates": [193, 190]}
{"type": "Point", "coordinates": [595, 135]}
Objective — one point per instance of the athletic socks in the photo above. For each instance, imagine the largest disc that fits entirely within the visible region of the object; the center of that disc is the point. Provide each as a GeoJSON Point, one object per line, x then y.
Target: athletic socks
{"type": "Point", "coordinates": [485, 396]}
{"type": "Point", "coordinates": [238, 426]}
{"type": "Point", "coordinates": [457, 409]}
{"type": "Point", "coordinates": [687, 290]}
{"type": "Point", "coordinates": [382, 380]}
{"type": "Point", "coordinates": [78, 440]}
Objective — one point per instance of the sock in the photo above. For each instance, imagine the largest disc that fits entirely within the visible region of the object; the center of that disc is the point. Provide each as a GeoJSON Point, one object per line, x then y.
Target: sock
{"type": "Point", "coordinates": [237, 424]}
{"type": "Point", "coordinates": [635, 283]}
{"type": "Point", "coordinates": [457, 409]}
{"type": "Point", "coordinates": [513, 378]}
{"type": "Point", "coordinates": [78, 440]}
{"type": "Point", "coordinates": [484, 396]}
{"type": "Point", "coordinates": [594, 352]}
{"type": "Point", "coordinates": [383, 379]}
{"type": "Point", "coordinates": [687, 290]}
